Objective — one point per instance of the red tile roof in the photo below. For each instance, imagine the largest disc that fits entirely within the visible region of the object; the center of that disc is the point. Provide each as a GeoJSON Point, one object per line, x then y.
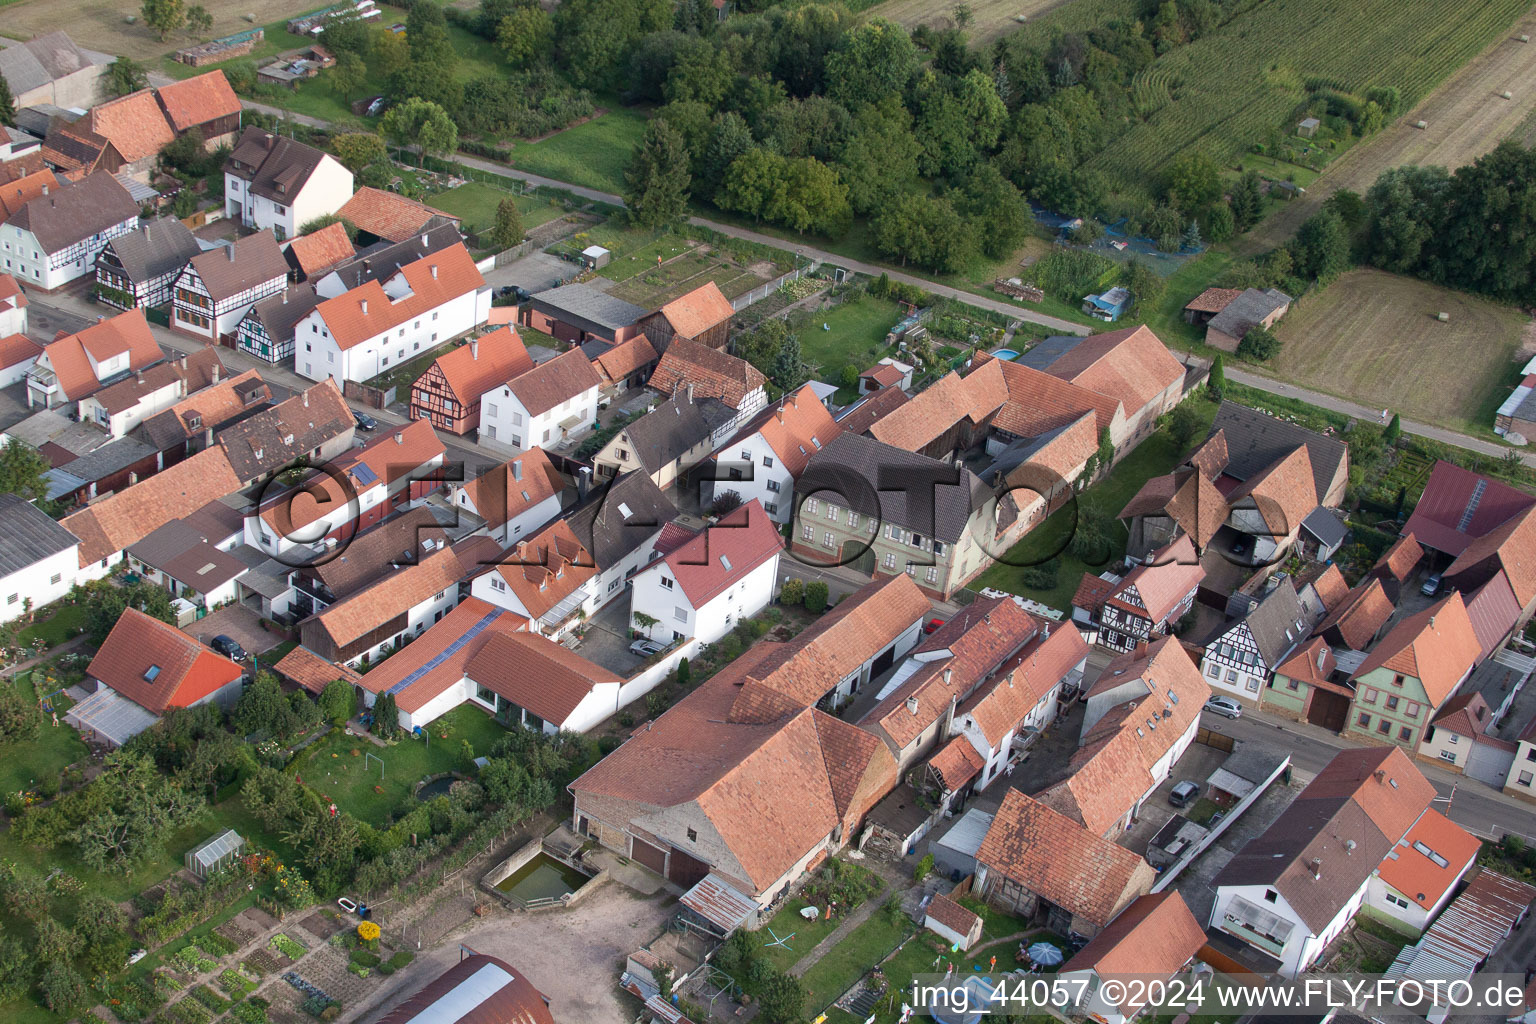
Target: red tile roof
{"type": "Point", "coordinates": [547, 568]}
{"type": "Point", "coordinates": [884, 374]}
{"type": "Point", "coordinates": [134, 124]}
{"type": "Point", "coordinates": [1513, 545]}
{"type": "Point", "coordinates": [625, 358]}
{"type": "Point", "coordinates": [70, 356]}
{"type": "Point", "coordinates": [951, 914]}
{"type": "Point", "coordinates": [1188, 498]}
{"type": "Point", "coordinates": [1448, 494]}
{"type": "Point", "coordinates": [387, 214]}
{"type": "Point", "coordinates": [1153, 937]}
{"type": "Point", "coordinates": [1331, 588]}
{"type": "Point", "coordinates": [198, 100]}
{"type": "Point", "coordinates": [1466, 715]}
{"type": "Point", "coordinates": [1029, 674]}
{"type": "Point", "coordinates": [957, 763]}
{"type": "Point", "coordinates": [1038, 401]}
{"type": "Point", "coordinates": [795, 428]}
{"type": "Point", "coordinates": [1401, 558]}
{"type": "Point", "coordinates": [16, 194]}
{"type": "Point", "coordinates": [1168, 575]}
{"type": "Point", "coordinates": [367, 311]}
{"type": "Point", "coordinates": [1212, 456]}
{"type": "Point", "coordinates": [1494, 611]}
{"type": "Point", "coordinates": [380, 464]}
{"type": "Point", "coordinates": [1312, 663]}
{"type": "Point", "coordinates": [1284, 493]}
{"type": "Point", "coordinates": [506, 491]}
{"type": "Point", "coordinates": [949, 400]}
{"type": "Point", "coordinates": [1058, 859]}
{"type": "Point", "coordinates": [1360, 616]}
{"type": "Point", "coordinates": [696, 312]}
{"type": "Point", "coordinates": [1213, 300]}
{"type": "Point", "coordinates": [725, 553]}
{"type": "Point", "coordinates": [483, 989]}
{"type": "Point", "coordinates": [872, 409]}
{"type": "Point", "coordinates": [314, 673]}
{"type": "Point", "coordinates": [427, 666]}
{"type": "Point", "coordinates": [1437, 647]}
{"type": "Point", "coordinates": [184, 671]}
{"type": "Point", "coordinates": [353, 617]}
{"type": "Point", "coordinates": [1384, 781]}
{"type": "Point", "coordinates": [474, 368]}
{"type": "Point", "coordinates": [108, 526]}
{"type": "Point", "coordinates": [18, 348]}
{"type": "Point", "coordinates": [321, 250]}
{"type": "Point", "coordinates": [537, 674]}
{"type": "Point", "coordinates": [1130, 366]}
{"type": "Point", "coordinates": [713, 373]}
{"type": "Point", "coordinates": [1413, 874]}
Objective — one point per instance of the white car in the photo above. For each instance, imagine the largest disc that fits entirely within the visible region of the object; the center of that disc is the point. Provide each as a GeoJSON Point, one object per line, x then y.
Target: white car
{"type": "Point", "coordinates": [1224, 706]}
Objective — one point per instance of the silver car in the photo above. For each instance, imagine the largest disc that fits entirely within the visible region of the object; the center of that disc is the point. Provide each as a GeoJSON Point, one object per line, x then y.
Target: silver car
{"type": "Point", "coordinates": [1224, 706]}
{"type": "Point", "coordinates": [645, 648]}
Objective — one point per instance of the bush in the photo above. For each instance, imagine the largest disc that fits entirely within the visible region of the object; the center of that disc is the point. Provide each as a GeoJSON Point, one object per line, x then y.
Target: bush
{"type": "Point", "coordinates": [1259, 345]}
{"type": "Point", "coordinates": [793, 591]}
{"type": "Point", "coordinates": [782, 998]}
{"type": "Point", "coordinates": [816, 597]}
{"type": "Point", "coordinates": [684, 673]}
{"type": "Point", "coordinates": [1043, 576]}
{"type": "Point", "coordinates": [924, 868]}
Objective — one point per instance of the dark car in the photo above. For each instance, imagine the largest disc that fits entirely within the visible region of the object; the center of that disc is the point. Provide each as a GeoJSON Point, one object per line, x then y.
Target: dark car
{"type": "Point", "coordinates": [228, 646]}
{"type": "Point", "coordinates": [364, 421]}
{"type": "Point", "coordinates": [1183, 794]}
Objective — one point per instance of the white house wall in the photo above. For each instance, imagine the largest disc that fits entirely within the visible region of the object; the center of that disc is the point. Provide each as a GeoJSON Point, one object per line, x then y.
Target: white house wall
{"type": "Point", "coordinates": [328, 187]}
{"type": "Point", "coordinates": [506, 423]}
{"type": "Point", "coordinates": [779, 504]}
{"type": "Point", "coordinates": [44, 581]}
{"type": "Point", "coordinates": [745, 598]}
{"type": "Point", "coordinates": [317, 356]}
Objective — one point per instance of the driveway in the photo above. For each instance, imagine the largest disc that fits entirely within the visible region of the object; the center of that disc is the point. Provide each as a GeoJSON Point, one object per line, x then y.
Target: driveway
{"type": "Point", "coordinates": [239, 622]}
{"type": "Point", "coordinates": [606, 640]}
{"type": "Point", "coordinates": [535, 272]}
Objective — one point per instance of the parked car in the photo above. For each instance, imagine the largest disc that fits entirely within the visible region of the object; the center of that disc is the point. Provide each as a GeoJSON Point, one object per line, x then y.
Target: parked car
{"type": "Point", "coordinates": [1431, 586]}
{"type": "Point", "coordinates": [228, 646]}
{"type": "Point", "coordinates": [364, 421]}
{"type": "Point", "coordinates": [1183, 794]}
{"type": "Point", "coordinates": [645, 648]}
{"type": "Point", "coordinates": [1224, 706]}
{"type": "Point", "coordinates": [933, 626]}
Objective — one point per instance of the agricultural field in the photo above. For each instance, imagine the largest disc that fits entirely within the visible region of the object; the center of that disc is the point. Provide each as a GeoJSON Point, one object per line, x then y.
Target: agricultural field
{"type": "Point", "coordinates": [1373, 338]}
{"type": "Point", "coordinates": [990, 19]}
{"type": "Point", "coordinates": [683, 266]}
{"type": "Point", "coordinates": [1229, 89]}
{"type": "Point", "coordinates": [1464, 118]}
{"type": "Point", "coordinates": [98, 25]}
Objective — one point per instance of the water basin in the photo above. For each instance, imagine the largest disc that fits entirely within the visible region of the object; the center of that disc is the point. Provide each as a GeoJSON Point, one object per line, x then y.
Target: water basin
{"type": "Point", "coordinates": [543, 877]}
{"type": "Point", "coordinates": [1005, 353]}
{"type": "Point", "coordinates": [435, 788]}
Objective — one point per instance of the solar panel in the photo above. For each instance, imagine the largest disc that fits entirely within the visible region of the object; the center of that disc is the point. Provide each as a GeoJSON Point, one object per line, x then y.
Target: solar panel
{"type": "Point", "coordinates": [448, 652]}
{"type": "Point", "coordinates": [364, 473]}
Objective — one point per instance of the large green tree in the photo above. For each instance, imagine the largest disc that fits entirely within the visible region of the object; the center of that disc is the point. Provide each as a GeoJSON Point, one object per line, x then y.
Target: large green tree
{"type": "Point", "coordinates": [105, 604]}
{"type": "Point", "coordinates": [357, 150]}
{"type": "Point", "coordinates": [728, 138]}
{"type": "Point", "coordinates": [524, 35]}
{"type": "Point", "coordinates": [421, 123]}
{"type": "Point", "coordinates": [7, 103]}
{"type": "Point", "coordinates": [508, 229]}
{"type": "Point", "coordinates": [164, 16]}
{"type": "Point", "coordinates": [880, 156]}
{"type": "Point", "coordinates": [1321, 248]}
{"type": "Point", "coordinates": [22, 470]}
{"type": "Point", "coordinates": [875, 60]}
{"type": "Point", "coordinates": [657, 178]}
{"type": "Point", "coordinates": [349, 75]}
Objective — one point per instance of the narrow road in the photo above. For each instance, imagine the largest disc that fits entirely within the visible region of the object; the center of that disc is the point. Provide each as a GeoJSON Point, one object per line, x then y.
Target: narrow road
{"type": "Point", "coordinates": [873, 270]}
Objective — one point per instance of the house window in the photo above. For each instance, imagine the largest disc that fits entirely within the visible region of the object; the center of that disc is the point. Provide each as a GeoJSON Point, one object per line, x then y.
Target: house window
{"type": "Point", "coordinates": [1213, 670]}
{"type": "Point", "coordinates": [1524, 778]}
{"type": "Point", "coordinates": [1397, 680]}
{"type": "Point", "coordinates": [807, 532]}
{"type": "Point", "coordinates": [890, 561]}
{"type": "Point", "coordinates": [13, 599]}
{"type": "Point", "coordinates": [1397, 901]}
{"type": "Point", "coordinates": [1231, 675]}
{"type": "Point", "coordinates": [1384, 727]}
{"type": "Point", "coordinates": [1292, 684]}
{"type": "Point", "coordinates": [827, 540]}
{"type": "Point", "coordinates": [666, 583]}
{"type": "Point", "coordinates": [693, 836]}
{"type": "Point", "coordinates": [1270, 896]}
{"type": "Point", "coordinates": [1448, 755]}
{"type": "Point", "coordinates": [1411, 709]}
{"type": "Point", "coordinates": [933, 574]}
{"type": "Point", "coordinates": [680, 613]}
{"type": "Point", "coordinates": [1453, 739]}
{"type": "Point", "coordinates": [812, 506]}
{"type": "Point", "coordinates": [1364, 721]}
{"type": "Point", "coordinates": [1391, 703]}
{"type": "Point", "coordinates": [833, 512]}
{"type": "Point", "coordinates": [490, 409]}
{"type": "Point", "coordinates": [767, 462]}
{"type": "Point", "coordinates": [1405, 734]}
{"type": "Point", "coordinates": [1370, 695]}
{"type": "Point", "coordinates": [56, 578]}
{"type": "Point", "coordinates": [773, 487]}
{"type": "Point", "coordinates": [771, 509]}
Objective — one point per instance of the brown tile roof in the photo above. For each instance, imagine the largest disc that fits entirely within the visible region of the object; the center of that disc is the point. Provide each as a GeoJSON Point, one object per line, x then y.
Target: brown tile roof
{"type": "Point", "coordinates": [388, 214]}
{"type": "Point", "coordinates": [999, 707]}
{"type": "Point", "coordinates": [1467, 714]}
{"type": "Point", "coordinates": [314, 673]}
{"type": "Point", "coordinates": [795, 428]}
{"type": "Point", "coordinates": [352, 617]}
{"type": "Point", "coordinates": [130, 391]}
{"type": "Point", "coordinates": [247, 262]}
{"type": "Point", "coordinates": [1054, 857]}
{"type": "Point", "coordinates": [504, 996]}
{"type": "Point", "coordinates": [725, 553]}
{"type": "Point", "coordinates": [696, 312]}
{"type": "Point", "coordinates": [1513, 545]}
{"type": "Point", "coordinates": [367, 311]}
{"type": "Point", "coordinates": [112, 524]}
{"type": "Point", "coordinates": [956, 763]}
{"type": "Point", "coordinates": [312, 418]}
{"type": "Point", "coordinates": [374, 553]}
{"type": "Point", "coordinates": [883, 374]}
{"type": "Point", "coordinates": [134, 124]}
{"type": "Point", "coordinates": [1188, 498]}
{"type": "Point", "coordinates": [1161, 583]}
{"type": "Point", "coordinates": [19, 167]}
{"type": "Point", "coordinates": [506, 491]}
{"type": "Point", "coordinates": [1211, 457]}
{"type": "Point", "coordinates": [1401, 558]}
{"type": "Point", "coordinates": [1437, 647]}
{"type": "Point", "coordinates": [1417, 877]}
{"type": "Point", "coordinates": [800, 672]}
{"type": "Point", "coordinates": [537, 674]}
{"type": "Point", "coordinates": [1284, 494]}
{"type": "Point", "coordinates": [625, 358]}
{"type": "Point", "coordinates": [209, 408]}
{"type": "Point", "coordinates": [198, 100]}
{"type": "Point", "coordinates": [71, 355]}
{"type": "Point", "coordinates": [1130, 366]}
{"type": "Point", "coordinates": [277, 168]}
{"type": "Point", "coordinates": [157, 666]}
{"type": "Point", "coordinates": [474, 368]}
{"type": "Point", "coordinates": [871, 409]}
{"type": "Point", "coordinates": [16, 348]}
{"type": "Point", "coordinates": [951, 914]}
{"type": "Point", "coordinates": [1213, 300]}
{"type": "Point", "coordinates": [1311, 663]}
{"type": "Point", "coordinates": [16, 194]}
{"type": "Point", "coordinates": [381, 463]}
{"type": "Point", "coordinates": [564, 377]}
{"type": "Point", "coordinates": [1360, 616]}
{"type": "Point", "coordinates": [546, 568]}
{"type": "Point", "coordinates": [66, 216]}
{"type": "Point", "coordinates": [1038, 401]}
{"type": "Point", "coordinates": [438, 658]}
{"type": "Point", "coordinates": [1494, 611]}
{"type": "Point", "coordinates": [1154, 936]}
{"type": "Point", "coordinates": [1329, 584]}
{"type": "Point", "coordinates": [949, 400]}
{"type": "Point", "coordinates": [712, 372]}
{"type": "Point", "coordinates": [321, 250]}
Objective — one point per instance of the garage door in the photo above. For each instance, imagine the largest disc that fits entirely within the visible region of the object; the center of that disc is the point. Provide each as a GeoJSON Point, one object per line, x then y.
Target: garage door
{"type": "Point", "coordinates": [653, 857]}
{"type": "Point", "coordinates": [685, 870]}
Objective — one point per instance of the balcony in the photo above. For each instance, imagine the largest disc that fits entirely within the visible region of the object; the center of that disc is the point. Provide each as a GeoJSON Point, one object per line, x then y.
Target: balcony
{"type": "Point", "coordinates": [1257, 927]}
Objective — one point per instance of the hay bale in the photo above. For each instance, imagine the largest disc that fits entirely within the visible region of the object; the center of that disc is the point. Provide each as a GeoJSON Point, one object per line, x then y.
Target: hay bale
{"type": "Point", "coordinates": [1508, 95]}
{"type": "Point", "coordinates": [1444, 318]}
{"type": "Point", "coordinates": [1421, 125]}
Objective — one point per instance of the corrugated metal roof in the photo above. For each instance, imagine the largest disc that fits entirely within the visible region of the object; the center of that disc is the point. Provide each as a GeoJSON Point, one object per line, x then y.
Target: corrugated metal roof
{"type": "Point", "coordinates": [718, 903]}
{"type": "Point", "coordinates": [966, 835]}
{"type": "Point", "coordinates": [1469, 930]}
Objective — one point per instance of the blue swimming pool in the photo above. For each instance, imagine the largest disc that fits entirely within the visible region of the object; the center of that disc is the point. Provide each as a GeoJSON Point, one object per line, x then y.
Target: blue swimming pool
{"type": "Point", "coordinates": [1005, 353]}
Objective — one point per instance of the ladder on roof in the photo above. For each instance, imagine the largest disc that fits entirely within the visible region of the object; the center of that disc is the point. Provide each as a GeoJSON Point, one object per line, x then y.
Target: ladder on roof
{"type": "Point", "coordinates": [1471, 509]}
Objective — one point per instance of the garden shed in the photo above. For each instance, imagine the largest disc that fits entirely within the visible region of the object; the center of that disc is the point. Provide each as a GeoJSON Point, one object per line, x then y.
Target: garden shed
{"type": "Point", "coordinates": [216, 853]}
{"type": "Point", "coordinates": [1308, 126]}
{"type": "Point", "coordinates": [595, 257]}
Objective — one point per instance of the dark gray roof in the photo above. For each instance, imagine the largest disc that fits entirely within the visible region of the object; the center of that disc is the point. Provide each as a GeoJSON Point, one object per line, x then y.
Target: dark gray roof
{"type": "Point", "coordinates": [899, 487]}
{"type": "Point", "coordinates": [1256, 440]}
{"type": "Point", "coordinates": [35, 120]}
{"type": "Point", "coordinates": [97, 465]}
{"type": "Point", "coordinates": [276, 168]}
{"type": "Point", "coordinates": [50, 425]}
{"type": "Point", "coordinates": [1048, 350]}
{"type": "Point", "coordinates": [40, 61]}
{"type": "Point", "coordinates": [587, 303]}
{"type": "Point", "coordinates": [67, 215]}
{"type": "Point", "coordinates": [673, 427]}
{"type": "Point", "coordinates": [1325, 526]}
{"type": "Point", "coordinates": [617, 519]}
{"type": "Point", "coordinates": [241, 265]}
{"type": "Point", "coordinates": [183, 551]}
{"type": "Point", "coordinates": [1247, 310]}
{"type": "Point", "coordinates": [382, 259]}
{"type": "Point", "coordinates": [1268, 621]}
{"type": "Point", "coordinates": [280, 314]}
{"type": "Point", "coordinates": [1021, 451]}
{"type": "Point", "coordinates": [155, 249]}
{"type": "Point", "coordinates": [376, 552]}
{"type": "Point", "coordinates": [1253, 762]}
{"type": "Point", "coordinates": [29, 535]}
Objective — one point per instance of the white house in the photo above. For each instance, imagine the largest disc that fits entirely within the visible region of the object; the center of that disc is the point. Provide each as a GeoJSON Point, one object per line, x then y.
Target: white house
{"type": "Point", "coordinates": [706, 586]}
{"type": "Point", "coordinates": [217, 288]}
{"type": "Point", "coordinates": [55, 238]}
{"type": "Point", "coordinates": [13, 307]}
{"type": "Point", "coordinates": [1421, 874]}
{"type": "Point", "coordinates": [765, 459]}
{"type": "Point", "coordinates": [274, 182]}
{"type": "Point", "coordinates": [514, 498]}
{"type": "Point", "coordinates": [530, 680]}
{"type": "Point", "coordinates": [379, 324]}
{"type": "Point", "coordinates": [543, 406]}
{"type": "Point", "coordinates": [77, 365]}
{"type": "Point", "coordinates": [39, 559]}
{"type": "Point", "coordinates": [1242, 656]}
{"type": "Point", "coordinates": [1293, 889]}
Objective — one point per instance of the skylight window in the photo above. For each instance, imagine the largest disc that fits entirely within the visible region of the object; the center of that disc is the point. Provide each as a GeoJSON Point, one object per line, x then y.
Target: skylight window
{"type": "Point", "coordinates": [725, 562]}
{"type": "Point", "coordinates": [151, 673]}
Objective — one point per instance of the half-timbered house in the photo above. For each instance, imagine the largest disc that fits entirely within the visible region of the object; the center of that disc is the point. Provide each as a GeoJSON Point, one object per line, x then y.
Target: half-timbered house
{"type": "Point", "coordinates": [449, 392]}
{"type": "Point", "coordinates": [218, 287]}
{"type": "Point", "coordinates": [56, 237]}
{"type": "Point", "coordinates": [1144, 603]}
{"type": "Point", "coordinates": [140, 268]}
{"type": "Point", "coordinates": [1244, 653]}
{"type": "Point", "coordinates": [268, 328]}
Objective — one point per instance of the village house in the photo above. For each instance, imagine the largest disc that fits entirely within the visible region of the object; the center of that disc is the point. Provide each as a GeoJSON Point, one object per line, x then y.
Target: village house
{"type": "Point", "coordinates": [114, 466]}
{"type": "Point", "coordinates": [1145, 603]}
{"type": "Point", "coordinates": [665, 443]}
{"type": "Point", "coordinates": [189, 425]}
{"type": "Point", "coordinates": [848, 514]}
{"type": "Point", "coordinates": [702, 315]}
{"type": "Point", "coordinates": [313, 255]}
{"type": "Point", "coordinates": [56, 237]}
{"type": "Point", "coordinates": [1255, 441]}
{"type": "Point", "coordinates": [1155, 937]}
{"type": "Point", "coordinates": [378, 214]}
{"type": "Point", "coordinates": [579, 313]}
{"type": "Point", "coordinates": [316, 424]}
{"type": "Point", "coordinates": [120, 407]}
{"type": "Point", "coordinates": [138, 269]}
{"type": "Point", "coordinates": [623, 366]}
{"type": "Point", "coordinates": [542, 406]}
{"type": "Point", "coordinates": [1203, 307]}
{"type": "Point", "coordinates": [949, 416]}
{"type": "Point", "coordinates": [513, 498]}
{"type": "Point", "coordinates": [859, 417]}
{"type": "Point", "coordinates": [1460, 738]}
{"type": "Point", "coordinates": [278, 183]}
{"type": "Point", "coordinates": [18, 192]}
{"type": "Point", "coordinates": [1182, 503]}
{"type": "Point", "coordinates": [1357, 620]}
{"type": "Point", "coordinates": [886, 374]}
{"type": "Point", "coordinates": [203, 103]}
{"type": "Point", "coordinates": [51, 69]}
{"type": "Point", "coordinates": [123, 136]}
{"type": "Point", "coordinates": [713, 374]}
{"type": "Point", "coordinates": [1422, 872]}
{"type": "Point", "coordinates": [192, 559]}
{"type": "Point", "coordinates": [218, 287]}
{"type": "Point", "coordinates": [1042, 865]}
{"type": "Point", "coordinates": [1521, 781]}
{"type": "Point", "coordinates": [769, 454]}
{"type": "Point", "coordinates": [18, 354]}
{"type": "Point", "coordinates": [373, 622]}
{"type": "Point", "coordinates": [268, 328]}
{"type": "Point", "coordinates": [316, 583]}
{"type": "Point", "coordinates": [449, 392]}
{"type": "Point", "coordinates": [1267, 510]}
{"type": "Point", "coordinates": [361, 333]}
{"type": "Point", "coordinates": [1242, 655]}
{"type": "Point", "coordinates": [529, 681]}
{"type": "Point", "coordinates": [1310, 687]}
{"type": "Point", "coordinates": [1249, 308]}
{"type": "Point", "coordinates": [1291, 890]}
{"type": "Point", "coordinates": [710, 583]}
{"type": "Point", "coordinates": [77, 366]}
{"type": "Point", "coordinates": [383, 260]}
{"type": "Point", "coordinates": [39, 558]}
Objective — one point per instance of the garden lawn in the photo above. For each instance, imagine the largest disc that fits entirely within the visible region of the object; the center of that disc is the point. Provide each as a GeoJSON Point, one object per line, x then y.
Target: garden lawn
{"type": "Point", "coordinates": [402, 375]}
{"type": "Point", "coordinates": [592, 154]}
{"type": "Point", "coordinates": [1154, 456]}
{"type": "Point", "coordinates": [848, 961]}
{"type": "Point", "coordinates": [786, 922]}
{"type": "Point", "coordinates": [24, 762]}
{"type": "Point", "coordinates": [476, 203]}
{"type": "Point", "coordinates": [329, 768]}
{"type": "Point", "coordinates": [64, 623]}
{"type": "Point", "coordinates": [855, 334]}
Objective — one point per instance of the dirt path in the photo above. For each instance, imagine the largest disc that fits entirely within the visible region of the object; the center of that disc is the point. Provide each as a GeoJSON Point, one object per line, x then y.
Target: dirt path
{"type": "Point", "coordinates": [1464, 118]}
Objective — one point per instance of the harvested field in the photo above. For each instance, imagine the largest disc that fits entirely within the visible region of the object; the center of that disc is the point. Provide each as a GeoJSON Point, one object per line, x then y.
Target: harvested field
{"type": "Point", "coordinates": [1373, 338]}
{"type": "Point", "coordinates": [1465, 118]}
{"type": "Point", "coordinates": [990, 19]}
{"type": "Point", "coordinates": [100, 25]}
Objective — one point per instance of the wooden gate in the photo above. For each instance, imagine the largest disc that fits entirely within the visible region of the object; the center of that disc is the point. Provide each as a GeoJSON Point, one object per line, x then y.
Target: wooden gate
{"type": "Point", "coordinates": [1328, 709]}
{"type": "Point", "coordinates": [653, 857]}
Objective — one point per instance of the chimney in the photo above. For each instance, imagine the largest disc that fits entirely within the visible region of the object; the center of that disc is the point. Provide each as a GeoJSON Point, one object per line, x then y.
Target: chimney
{"type": "Point", "coordinates": [140, 375]}
{"type": "Point", "coordinates": [1380, 776]}
{"type": "Point", "coordinates": [364, 304]}
{"type": "Point", "coordinates": [424, 242]}
{"type": "Point", "coordinates": [229, 251]}
{"type": "Point", "coordinates": [433, 267]}
{"type": "Point", "coordinates": [517, 469]}
{"type": "Point", "coordinates": [474, 348]}
{"type": "Point", "coordinates": [948, 674]}
{"type": "Point", "coordinates": [182, 360]}
{"type": "Point", "coordinates": [133, 478]}
{"type": "Point", "coordinates": [215, 374]}
{"type": "Point", "coordinates": [689, 392]}
{"type": "Point", "coordinates": [285, 296]}
{"type": "Point", "coordinates": [45, 190]}
{"type": "Point", "coordinates": [208, 437]}
{"type": "Point", "coordinates": [399, 438]}
{"type": "Point", "coordinates": [1317, 869]}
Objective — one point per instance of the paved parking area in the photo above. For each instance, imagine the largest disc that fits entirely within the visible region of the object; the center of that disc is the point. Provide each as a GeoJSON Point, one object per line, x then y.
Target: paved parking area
{"type": "Point", "coordinates": [535, 272]}
{"type": "Point", "coordinates": [1195, 883]}
{"type": "Point", "coordinates": [606, 640]}
{"type": "Point", "coordinates": [1195, 766]}
{"type": "Point", "coordinates": [239, 622]}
